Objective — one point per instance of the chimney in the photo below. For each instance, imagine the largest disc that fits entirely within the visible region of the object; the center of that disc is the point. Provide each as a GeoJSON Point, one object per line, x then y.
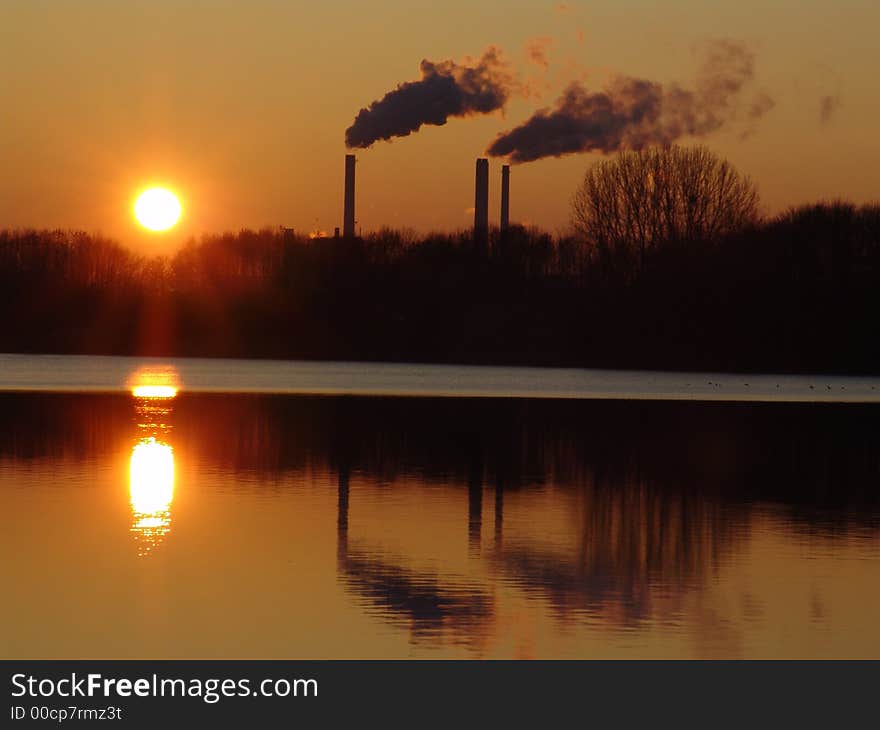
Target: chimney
{"type": "Point", "coordinates": [505, 197]}
{"type": "Point", "coordinates": [348, 215]}
{"type": "Point", "coordinates": [481, 202]}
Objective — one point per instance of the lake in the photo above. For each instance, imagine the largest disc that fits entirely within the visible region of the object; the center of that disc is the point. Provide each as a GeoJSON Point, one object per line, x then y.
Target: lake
{"type": "Point", "coordinates": [343, 510]}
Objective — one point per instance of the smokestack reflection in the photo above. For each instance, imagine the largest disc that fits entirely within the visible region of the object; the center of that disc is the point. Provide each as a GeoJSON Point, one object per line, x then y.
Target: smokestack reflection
{"type": "Point", "coordinates": [499, 514]}
{"type": "Point", "coordinates": [475, 500]}
{"type": "Point", "coordinates": [342, 514]}
{"type": "Point", "coordinates": [432, 604]}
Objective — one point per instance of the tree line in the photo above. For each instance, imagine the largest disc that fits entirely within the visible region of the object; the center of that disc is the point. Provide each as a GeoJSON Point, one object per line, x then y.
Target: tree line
{"type": "Point", "coordinates": [655, 273]}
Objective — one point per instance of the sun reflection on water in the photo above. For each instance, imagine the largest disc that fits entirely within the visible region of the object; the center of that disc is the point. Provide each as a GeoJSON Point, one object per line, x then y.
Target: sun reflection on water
{"type": "Point", "coordinates": [154, 381]}
{"type": "Point", "coordinates": [151, 486]}
{"type": "Point", "coordinates": [154, 391]}
{"type": "Point", "coordinates": [151, 466]}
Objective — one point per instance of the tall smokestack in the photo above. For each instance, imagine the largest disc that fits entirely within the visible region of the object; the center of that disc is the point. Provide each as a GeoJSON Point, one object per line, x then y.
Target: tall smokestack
{"type": "Point", "coordinates": [348, 215]}
{"type": "Point", "coordinates": [505, 197]}
{"type": "Point", "coordinates": [481, 202]}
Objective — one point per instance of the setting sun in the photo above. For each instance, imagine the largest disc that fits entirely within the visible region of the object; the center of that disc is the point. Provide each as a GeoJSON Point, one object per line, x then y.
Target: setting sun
{"type": "Point", "coordinates": [157, 209]}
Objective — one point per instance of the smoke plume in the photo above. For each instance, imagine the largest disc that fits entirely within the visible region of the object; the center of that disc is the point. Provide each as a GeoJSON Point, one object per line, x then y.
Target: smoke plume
{"type": "Point", "coordinates": [828, 105]}
{"type": "Point", "coordinates": [537, 51]}
{"type": "Point", "coordinates": [633, 113]}
{"type": "Point", "coordinates": [446, 89]}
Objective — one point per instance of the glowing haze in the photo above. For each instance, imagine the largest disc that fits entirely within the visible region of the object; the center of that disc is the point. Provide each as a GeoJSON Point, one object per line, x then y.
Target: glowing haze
{"type": "Point", "coordinates": [245, 108]}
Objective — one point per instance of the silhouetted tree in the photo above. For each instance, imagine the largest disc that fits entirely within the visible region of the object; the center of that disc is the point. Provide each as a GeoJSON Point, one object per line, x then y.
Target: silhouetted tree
{"type": "Point", "coordinates": [642, 199]}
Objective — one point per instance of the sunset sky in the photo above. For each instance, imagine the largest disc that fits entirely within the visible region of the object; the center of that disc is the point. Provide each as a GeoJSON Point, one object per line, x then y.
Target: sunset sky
{"type": "Point", "coordinates": [242, 108]}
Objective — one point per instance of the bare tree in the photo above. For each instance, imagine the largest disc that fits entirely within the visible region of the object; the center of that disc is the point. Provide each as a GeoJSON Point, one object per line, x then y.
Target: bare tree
{"type": "Point", "coordinates": [640, 200]}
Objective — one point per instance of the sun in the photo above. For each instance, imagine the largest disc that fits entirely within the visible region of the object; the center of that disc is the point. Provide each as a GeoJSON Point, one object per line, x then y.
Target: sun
{"type": "Point", "coordinates": [157, 209]}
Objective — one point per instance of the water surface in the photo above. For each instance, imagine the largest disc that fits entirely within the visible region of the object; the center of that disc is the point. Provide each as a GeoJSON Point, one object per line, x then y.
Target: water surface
{"type": "Point", "coordinates": [252, 526]}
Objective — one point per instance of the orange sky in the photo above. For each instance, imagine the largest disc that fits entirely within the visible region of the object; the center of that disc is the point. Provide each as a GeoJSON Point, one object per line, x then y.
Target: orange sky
{"type": "Point", "coordinates": [242, 107]}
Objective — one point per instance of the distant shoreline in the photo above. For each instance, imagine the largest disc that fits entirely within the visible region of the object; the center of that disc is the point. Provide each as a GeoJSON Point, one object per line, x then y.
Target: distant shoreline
{"type": "Point", "coordinates": [96, 374]}
{"type": "Point", "coordinates": [795, 294]}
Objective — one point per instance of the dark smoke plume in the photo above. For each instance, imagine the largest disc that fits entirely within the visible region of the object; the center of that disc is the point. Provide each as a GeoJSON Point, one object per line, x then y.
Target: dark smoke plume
{"type": "Point", "coordinates": [446, 89]}
{"type": "Point", "coordinates": [634, 113]}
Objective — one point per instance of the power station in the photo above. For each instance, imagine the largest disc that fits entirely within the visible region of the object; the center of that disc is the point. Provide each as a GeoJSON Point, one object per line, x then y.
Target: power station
{"type": "Point", "coordinates": [481, 200]}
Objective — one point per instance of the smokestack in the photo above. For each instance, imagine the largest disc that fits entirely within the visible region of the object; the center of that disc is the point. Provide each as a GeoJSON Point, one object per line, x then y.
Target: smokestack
{"type": "Point", "coordinates": [505, 197]}
{"type": "Point", "coordinates": [348, 215]}
{"type": "Point", "coordinates": [481, 201]}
